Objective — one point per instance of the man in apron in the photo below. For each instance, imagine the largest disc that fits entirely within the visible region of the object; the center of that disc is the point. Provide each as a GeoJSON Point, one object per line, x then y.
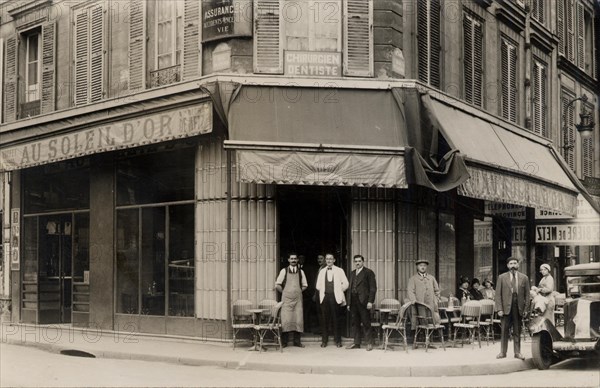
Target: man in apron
{"type": "Point", "coordinates": [291, 282]}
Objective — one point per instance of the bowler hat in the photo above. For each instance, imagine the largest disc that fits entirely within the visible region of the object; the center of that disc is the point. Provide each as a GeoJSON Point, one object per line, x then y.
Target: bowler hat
{"type": "Point", "coordinates": [421, 261]}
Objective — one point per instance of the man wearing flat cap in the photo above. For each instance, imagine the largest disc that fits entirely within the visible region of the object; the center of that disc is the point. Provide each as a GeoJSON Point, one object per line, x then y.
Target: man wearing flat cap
{"type": "Point", "coordinates": [512, 301]}
{"type": "Point", "coordinates": [423, 288]}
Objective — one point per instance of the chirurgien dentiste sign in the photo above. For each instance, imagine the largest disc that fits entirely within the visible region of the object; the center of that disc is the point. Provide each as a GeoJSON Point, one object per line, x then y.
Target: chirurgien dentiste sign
{"type": "Point", "coordinates": [145, 129]}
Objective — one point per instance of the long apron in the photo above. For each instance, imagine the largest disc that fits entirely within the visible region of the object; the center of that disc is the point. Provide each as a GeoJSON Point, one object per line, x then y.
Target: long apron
{"type": "Point", "coordinates": [292, 315]}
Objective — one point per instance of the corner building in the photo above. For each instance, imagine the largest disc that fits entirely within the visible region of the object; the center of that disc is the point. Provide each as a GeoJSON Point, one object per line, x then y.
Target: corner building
{"type": "Point", "coordinates": [160, 159]}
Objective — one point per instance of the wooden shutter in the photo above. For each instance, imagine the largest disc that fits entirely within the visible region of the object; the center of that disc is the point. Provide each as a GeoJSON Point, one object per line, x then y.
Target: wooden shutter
{"type": "Point", "coordinates": [568, 136]}
{"type": "Point", "coordinates": [570, 34]}
{"type": "Point", "coordinates": [358, 38]}
{"type": "Point", "coordinates": [435, 45]}
{"type": "Point", "coordinates": [96, 53]}
{"type": "Point", "coordinates": [48, 67]}
{"type": "Point", "coordinates": [580, 36]}
{"type": "Point", "coordinates": [508, 59]}
{"type": "Point", "coordinates": [423, 41]}
{"type": "Point", "coordinates": [82, 73]}
{"type": "Point", "coordinates": [560, 25]}
{"type": "Point", "coordinates": [191, 39]}
{"type": "Point", "coordinates": [539, 98]}
{"type": "Point", "coordinates": [137, 45]}
{"type": "Point", "coordinates": [537, 10]}
{"type": "Point", "coordinates": [587, 148]}
{"type": "Point", "coordinates": [268, 48]}
{"type": "Point", "coordinates": [468, 57]}
{"type": "Point", "coordinates": [10, 80]}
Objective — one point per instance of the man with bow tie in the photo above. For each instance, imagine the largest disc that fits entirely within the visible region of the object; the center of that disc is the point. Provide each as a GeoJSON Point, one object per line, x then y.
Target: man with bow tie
{"type": "Point", "coordinates": [331, 284]}
{"type": "Point", "coordinates": [512, 301]}
{"type": "Point", "coordinates": [290, 283]}
{"type": "Point", "coordinates": [361, 297]}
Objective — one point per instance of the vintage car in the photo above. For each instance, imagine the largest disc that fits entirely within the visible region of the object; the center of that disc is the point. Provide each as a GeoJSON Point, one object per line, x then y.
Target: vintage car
{"type": "Point", "coordinates": [581, 330]}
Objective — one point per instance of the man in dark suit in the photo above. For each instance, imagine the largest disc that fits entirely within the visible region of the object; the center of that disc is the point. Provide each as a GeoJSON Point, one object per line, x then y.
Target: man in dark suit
{"type": "Point", "coordinates": [361, 297]}
{"type": "Point", "coordinates": [512, 301]}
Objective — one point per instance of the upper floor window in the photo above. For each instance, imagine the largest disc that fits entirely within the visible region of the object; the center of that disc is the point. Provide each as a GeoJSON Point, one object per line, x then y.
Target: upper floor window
{"type": "Point", "coordinates": [29, 72]}
{"type": "Point", "coordinates": [538, 9]}
{"type": "Point", "coordinates": [575, 29]}
{"type": "Point", "coordinates": [539, 75]}
{"type": "Point", "coordinates": [568, 136]}
{"type": "Point", "coordinates": [473, 59]}
{"type": "Point", "coordinates": [587, 148]}
{"type": "Point", "coordinates": [169, 29]}
{"type": "Point", "coordinates": [508, 65]}
{"type": "Point", "coordinates": [33, 64]}
{"type": "Point", "coordinates": [89, 54]}
{"type": "Point", "coordinates": [429, 46]}
{"type": "Point", "coordinates": [342, 29]}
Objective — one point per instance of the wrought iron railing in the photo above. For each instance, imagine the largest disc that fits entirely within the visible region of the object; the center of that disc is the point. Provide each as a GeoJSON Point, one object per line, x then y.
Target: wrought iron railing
{"type": "Point", "coordinates": [165, 76]}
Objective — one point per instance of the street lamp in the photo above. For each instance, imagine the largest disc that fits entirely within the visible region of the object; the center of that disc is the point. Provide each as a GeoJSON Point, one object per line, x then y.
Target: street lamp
{"type": "Point", "coordinates": [585, 126]}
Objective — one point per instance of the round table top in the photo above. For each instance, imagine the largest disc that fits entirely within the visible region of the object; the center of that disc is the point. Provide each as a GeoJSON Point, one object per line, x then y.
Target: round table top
{"type": "Point", "coordinates": [256, 310]}
{"type": "Point", "coordinates": [385, 310]}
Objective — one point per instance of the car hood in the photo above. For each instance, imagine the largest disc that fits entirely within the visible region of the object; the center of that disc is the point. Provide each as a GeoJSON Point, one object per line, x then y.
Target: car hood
{"type": "Point", "coordinates": [582, 318]}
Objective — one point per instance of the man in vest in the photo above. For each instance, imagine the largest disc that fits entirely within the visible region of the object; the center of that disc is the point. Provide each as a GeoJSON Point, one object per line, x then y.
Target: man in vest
{"type": "Point", "coordinates": [291, 282]}
{"type": "Point", "coordinates": [512, 301]}
{"type": "Point", "coordinates": [331, 284]}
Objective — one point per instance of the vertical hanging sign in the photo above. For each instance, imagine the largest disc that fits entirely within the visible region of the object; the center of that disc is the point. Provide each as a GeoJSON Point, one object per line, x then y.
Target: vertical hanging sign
{"type": "Point", "coordinates": [15, 239]}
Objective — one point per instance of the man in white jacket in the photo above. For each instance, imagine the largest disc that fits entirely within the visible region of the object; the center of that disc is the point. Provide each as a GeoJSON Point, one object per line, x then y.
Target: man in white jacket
{"type": "Point", "coordinates": [331, 284]}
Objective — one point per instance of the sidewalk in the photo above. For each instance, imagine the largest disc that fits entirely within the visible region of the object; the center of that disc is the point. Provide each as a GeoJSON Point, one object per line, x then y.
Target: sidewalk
{"type": "Point", "coordinates": [464, 361]}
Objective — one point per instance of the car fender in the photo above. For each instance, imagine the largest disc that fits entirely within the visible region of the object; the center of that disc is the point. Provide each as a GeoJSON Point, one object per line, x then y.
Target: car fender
{"type": "Point", "coordinates": [539, 325]}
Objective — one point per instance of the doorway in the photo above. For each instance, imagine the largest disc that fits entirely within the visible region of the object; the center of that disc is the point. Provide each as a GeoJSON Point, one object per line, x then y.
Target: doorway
{"type": "Point", "coordinates": [313, 221]}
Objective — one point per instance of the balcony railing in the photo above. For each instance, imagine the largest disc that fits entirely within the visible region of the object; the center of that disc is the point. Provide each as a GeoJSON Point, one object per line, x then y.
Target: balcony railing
{"type": "Point", "coordinates": [29, 109]}
{"type": "Point", "coordinates": [165, 76]}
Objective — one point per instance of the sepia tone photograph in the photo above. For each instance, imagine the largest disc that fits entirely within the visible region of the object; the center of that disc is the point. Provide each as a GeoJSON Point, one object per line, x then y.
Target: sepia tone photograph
{"type": "Point", "coordinates": [299, 193]}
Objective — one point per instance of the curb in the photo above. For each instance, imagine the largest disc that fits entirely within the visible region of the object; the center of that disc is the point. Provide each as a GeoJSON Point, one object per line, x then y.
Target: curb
{"type": "Point", "coordinates": [510, 366]}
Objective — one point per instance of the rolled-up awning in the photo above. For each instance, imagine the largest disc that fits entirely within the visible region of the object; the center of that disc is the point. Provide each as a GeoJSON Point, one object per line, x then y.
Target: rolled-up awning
{"type": "Point", "coordinates": [507, 165]}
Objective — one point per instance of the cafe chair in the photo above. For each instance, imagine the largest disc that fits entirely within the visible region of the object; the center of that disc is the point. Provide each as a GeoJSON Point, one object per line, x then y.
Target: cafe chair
{"type": "Point", "coordinates": [376, 323]}
{"type": "Point", "coordinates": [486, 319]}
{"type": "Point", "coordinates": [470, 315]}
{"type": "Point", "coordinates": [241, 319]}
{"type": "Point", "coordinates": [399, 326]}
{"type": "Point", "coordinates": [272, 325]}
{"type": "Point", "coordinates": [427, 323]}
{"type": "Point", "coordinates": [390, 304]}
{"type": "Point", "coordinates": [267, 305]}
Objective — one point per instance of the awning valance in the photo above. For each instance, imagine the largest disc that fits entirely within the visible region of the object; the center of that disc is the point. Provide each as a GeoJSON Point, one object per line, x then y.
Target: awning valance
{"type": "Point", "coordinates": [507, 165]}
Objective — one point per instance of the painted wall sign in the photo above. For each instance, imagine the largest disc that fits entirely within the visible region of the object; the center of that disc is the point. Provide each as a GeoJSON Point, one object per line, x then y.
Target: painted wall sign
{"type": "Point", "coordinates": [313, 63]}
{"type": "Point", "coordinates": [577, 234]}
{"type": "Point", "coordinates": [145, 129]}
{"type": "Point", "coordinates": [226, 18]}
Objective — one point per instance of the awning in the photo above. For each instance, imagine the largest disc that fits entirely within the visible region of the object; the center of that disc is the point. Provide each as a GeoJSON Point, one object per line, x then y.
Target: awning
{"type": "Point", "coordinates": [334, 136]}
{"type": "Point", "coordinates": [137, 124]}
{"type": "Point", "coordinates": [507, 165]}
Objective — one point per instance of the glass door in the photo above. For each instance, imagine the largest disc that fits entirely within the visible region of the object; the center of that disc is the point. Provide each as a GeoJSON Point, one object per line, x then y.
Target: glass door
{"type": "Point", "coordinates": [55, 268]}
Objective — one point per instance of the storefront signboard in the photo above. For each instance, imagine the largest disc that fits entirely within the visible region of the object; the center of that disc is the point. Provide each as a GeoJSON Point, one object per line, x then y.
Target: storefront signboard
{"type": "Point", "coordinates": [144, 129]}
{"type": "Point", "coordinates": [505, 210]}
{"type": "Point", "coordinates": [313, 63]}
{"type": "Point", "coordinates": [575, 234]}
{"type": "Point", "coordinates": [225, 19]}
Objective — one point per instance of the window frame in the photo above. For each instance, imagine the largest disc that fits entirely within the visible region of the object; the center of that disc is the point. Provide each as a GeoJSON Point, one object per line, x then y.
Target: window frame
{"type": "Point", "coordinates": [440, 66]}
{"type": "Point", "coordinates": [312, 22]}
{"type": "Point", "coordinates": [469, 14]}
{"type": "Point", "coordinates": [511, 43]}
{"type": "Point", "coordinates": [177, 5]}
{"type": "Point", "coordinates": [37, 92]}
{"type": "Point", "coordinates": [543, 85]}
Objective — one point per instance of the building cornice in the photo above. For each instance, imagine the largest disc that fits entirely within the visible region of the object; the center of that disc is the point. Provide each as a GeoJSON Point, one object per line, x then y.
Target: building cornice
{"type": "Point", "coordinates": [574, 71]}
{"type": "Point", "coordinates": [511, 14]}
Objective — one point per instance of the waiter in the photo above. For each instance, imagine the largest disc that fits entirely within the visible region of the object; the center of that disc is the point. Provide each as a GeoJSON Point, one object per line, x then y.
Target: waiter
{"type": "Point", "coordinates": [291, 282]}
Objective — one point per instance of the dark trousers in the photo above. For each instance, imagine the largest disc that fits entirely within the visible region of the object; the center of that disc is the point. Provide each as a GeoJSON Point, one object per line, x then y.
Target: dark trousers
{"type": "Point", "coordinates": [286, 335]}
{"type": "Point", "coordinates": [330, 311]}
{"type": "Point", "coordinates": [360, 314]}
{"type": "Point", "coordinates": [513, 319]}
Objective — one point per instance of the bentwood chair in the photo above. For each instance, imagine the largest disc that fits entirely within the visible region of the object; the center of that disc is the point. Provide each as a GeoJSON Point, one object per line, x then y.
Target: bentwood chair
{"type": "Point", "coordinates": [267, 305]}
{"type": "Point", "coordinates": [273, 326]}
{"type": "Point", "coordinates": [486, 317]}
{"type": "Point", "coordinates": [241, 318]}
{"type": "Point", "coordinates": [427, 323]}
{"type": "Point", "coordinates": [399, 327]}
{"type": "Point", "coordinates": [389, 304]}
{"type": "Point", "coordinates": [470, 314]}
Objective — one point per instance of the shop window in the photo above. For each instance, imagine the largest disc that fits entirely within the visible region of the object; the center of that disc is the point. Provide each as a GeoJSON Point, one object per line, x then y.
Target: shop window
{"type": "Point", "coordinates": [57, 186]}
{"type": "Point", "coordinates": [150, 240]}
{"type": "Point", "coordinates": [156, 178]}
{"type": "Point", "coordinates": [427, 237]}
{"type": "Point", "coordinates": [483, 254]}
{"type": "Point", "coordinates": [447, 252]}
{"type": "Point", "coordinates": [313, 25]}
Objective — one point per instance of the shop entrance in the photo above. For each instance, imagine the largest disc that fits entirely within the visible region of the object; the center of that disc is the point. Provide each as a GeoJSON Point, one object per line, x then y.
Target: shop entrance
{"type": "Point", "coordinates": [55, 280]}
{"type": "Point", "coordinates": [313, 221]}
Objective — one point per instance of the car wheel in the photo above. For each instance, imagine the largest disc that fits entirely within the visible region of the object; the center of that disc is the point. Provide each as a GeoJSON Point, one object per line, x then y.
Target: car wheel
{"type": "Point", "coordinates": [541, 349]}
